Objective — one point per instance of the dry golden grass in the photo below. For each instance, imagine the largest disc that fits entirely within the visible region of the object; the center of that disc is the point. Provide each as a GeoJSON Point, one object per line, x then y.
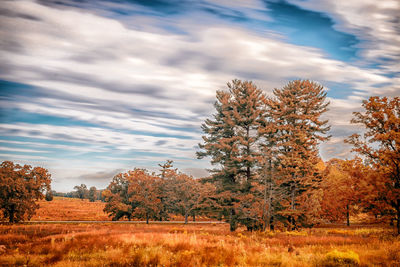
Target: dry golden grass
{"type": "Point", "coordinates": [108, 244]}
{"type": "Point", "coordinates": [74, 209]}
{"type": "Point", "coordinates": [70, 209]}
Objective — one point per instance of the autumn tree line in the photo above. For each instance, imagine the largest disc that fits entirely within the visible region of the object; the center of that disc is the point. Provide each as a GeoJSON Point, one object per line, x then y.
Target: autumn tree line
{"type": "Point", "coordinates": [267, 171]}
{"type": "Point", "coordinates": [267, 168]}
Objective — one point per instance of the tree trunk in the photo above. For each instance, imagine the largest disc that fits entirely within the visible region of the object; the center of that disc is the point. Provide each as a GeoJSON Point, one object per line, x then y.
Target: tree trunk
{"type": "Point", "coordinates": [147, 218]}
{"type": "Point", "coordinates": [348, 214]}
{"type": "Point", "coordinates": [11, 219]}
{"type": "Point", "coordinates": [292, 220]}
{"type": "Point", "coordinates": [270, 194]}
{"type": "Point", "coordinates": [186, 218]}
{"type": "Point", "coordinates": [398, 220]}
{"type": "Point", "coordinates": [194, 216]}
{"type": "Point", "coordinates": [248, 171]}
{"type": "Point", "coordinates": [232, 221]}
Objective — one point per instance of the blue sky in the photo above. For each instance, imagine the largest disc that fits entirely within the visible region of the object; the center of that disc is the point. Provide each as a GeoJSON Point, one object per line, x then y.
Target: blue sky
{"type": "Point", "coordinates": [92, 88]}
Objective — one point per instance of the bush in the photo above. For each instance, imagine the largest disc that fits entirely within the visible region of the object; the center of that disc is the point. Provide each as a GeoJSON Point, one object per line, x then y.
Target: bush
{"type": "Point", "coordinates": [338, 258]}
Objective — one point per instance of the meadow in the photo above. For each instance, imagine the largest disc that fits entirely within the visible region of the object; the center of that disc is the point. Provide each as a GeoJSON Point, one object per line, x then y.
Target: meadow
{"type": "Point", "coordinates": [174, 244]}
{"type": "Point", "coordinates": [74, 209]}
{"type": "Point", "coordinates": [130, 244]}
{"type": "Point", "coordinates": [70, 209]}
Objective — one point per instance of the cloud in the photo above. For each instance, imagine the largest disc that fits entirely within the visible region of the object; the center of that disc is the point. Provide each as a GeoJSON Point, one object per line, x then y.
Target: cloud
{"type": "Point", "coordinates": [373, 22]}
{"type": "Point", "coordinates": [145, 83]}
{"type": "Point", "coordinates": [98, 177]}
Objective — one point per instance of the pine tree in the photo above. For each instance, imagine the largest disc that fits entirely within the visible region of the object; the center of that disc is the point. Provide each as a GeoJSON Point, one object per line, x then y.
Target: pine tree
{"type": "Point", "coordinates": [296, 113]}
{"type": "Point", "coordinates": [232, 141]}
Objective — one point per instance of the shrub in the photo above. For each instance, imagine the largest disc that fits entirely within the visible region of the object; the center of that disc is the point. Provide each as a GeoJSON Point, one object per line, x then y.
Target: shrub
{"type": "Point", "coordinates": [338, 258]}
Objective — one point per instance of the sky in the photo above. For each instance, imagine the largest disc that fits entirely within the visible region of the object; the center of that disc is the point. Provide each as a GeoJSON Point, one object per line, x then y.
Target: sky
{"type": "Point", "coordinates": [89, 89]}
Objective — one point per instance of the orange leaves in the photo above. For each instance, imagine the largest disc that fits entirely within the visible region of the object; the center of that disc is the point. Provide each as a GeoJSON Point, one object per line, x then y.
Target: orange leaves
{"type": "Point", "coordinates": [380, 145]}
{"type": "Point", "coordinates": [20, 187]}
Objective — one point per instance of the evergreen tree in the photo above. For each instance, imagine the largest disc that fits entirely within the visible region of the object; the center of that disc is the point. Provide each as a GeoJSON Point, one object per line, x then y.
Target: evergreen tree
{"type": "Point", "coordinates": [232, 141]}
{"type": "Point", "coordinates": [296, 113]}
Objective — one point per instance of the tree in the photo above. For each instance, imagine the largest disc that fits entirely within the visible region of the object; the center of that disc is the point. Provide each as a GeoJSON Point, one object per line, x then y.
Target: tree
{"type": "Point", "coordinates": [20, 187]}
{"type": "Point", "coordinates": [134, 194]}
{"type": "Point", "coordinates": [341, 189]}
{"type": "Point", "coordinates": [166, 173]}
{"type": "Point", "coordinates": [81, 191]}
{"type": "Point", "coordinates": [116, 195]}
{"type": "Point", "coordinates": [144, 194]}
{"type": "Point", "coordinates": [49, 195]}
{"type": "Point", "coordinates": [187, 195]}
{"type": "Point", "coordinates": [296, 111]}
{"type": "Point", "coordinates": [92, 194]}
{"type": "Point", "coordinates": [232, 141]}
{"type": "Point", "coordinates": [380, 147]}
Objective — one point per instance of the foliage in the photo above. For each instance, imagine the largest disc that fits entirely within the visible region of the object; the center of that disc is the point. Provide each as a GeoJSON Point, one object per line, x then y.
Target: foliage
{"type": "Point", "coordinates": [49, 195]}
{"type": "Point", "coordinates": [380, 147]}
{"type": "Point", "coordinates": [117, 198]}
{"type": "Point", "coordinates": [92, 195]}
{"type": "Point", "coordinates": [338, 258]}
{"type": "Point", "coordinates": [20, 187]}
{"type": "Point", "coordinates": [296, 112]}
{"type": "Point", "coordinates": [144, 194]}
{"type": "Point", "coordinates": [343, 189]}
{"type": "Point", "coordinates": [186, 195]}
{"type": "Point", "coordinates": [266, 150]}
{"type": "Point", "coordinates": [81, 191]}
{"type": "Point", "coordinates": [232, 141]}
{"type": "Point", "coordinates": [133, 194]}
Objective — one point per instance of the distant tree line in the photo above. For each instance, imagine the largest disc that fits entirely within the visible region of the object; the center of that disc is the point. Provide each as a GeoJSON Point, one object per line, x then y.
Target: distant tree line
{"type": "Point", "coordinates": [81, 191]}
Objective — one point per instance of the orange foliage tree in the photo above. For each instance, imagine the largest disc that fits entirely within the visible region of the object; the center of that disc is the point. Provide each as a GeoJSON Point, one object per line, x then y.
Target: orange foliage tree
{"type": "Point", "coordinates": [186, 195]}
{"type": "Point", "coordinates": [296, 112]}
{"type": "Point", "coordinates": [342, 188]}
{"type": "Point", "coordinates": [380, 146]}
{"type": "Point", "coordinates": [144, 194]}
{"type": "Point", "coordinates": [135, 194]}
{"type": "Point", "coordinates": [116, 195]}
{"type": "Point", "coordinates": [20, 188]}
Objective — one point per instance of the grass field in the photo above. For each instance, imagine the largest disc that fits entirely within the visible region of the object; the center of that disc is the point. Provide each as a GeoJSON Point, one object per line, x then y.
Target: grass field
{"type": "Point", "coordinates": [74, 209]}
{"type": "Point", "coordinates": [130, 244]}
{"type": "Point", "coordinates": [193, 245]}
{"type": "Point", "coordinates": [70, 209]}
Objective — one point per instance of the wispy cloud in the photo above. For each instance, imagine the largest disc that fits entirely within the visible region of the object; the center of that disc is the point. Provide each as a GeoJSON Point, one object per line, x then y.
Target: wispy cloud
{"type": "Point", "coordinates": [109, 81]}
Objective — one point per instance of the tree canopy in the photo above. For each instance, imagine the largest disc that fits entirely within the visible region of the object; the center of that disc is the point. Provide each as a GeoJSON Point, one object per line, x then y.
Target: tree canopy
{"type": "Point", "coordinates": [20, 188]}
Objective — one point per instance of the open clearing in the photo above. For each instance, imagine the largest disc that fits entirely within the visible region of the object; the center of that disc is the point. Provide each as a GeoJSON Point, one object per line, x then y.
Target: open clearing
{"type": "Point", "coordinates": [193, 245]}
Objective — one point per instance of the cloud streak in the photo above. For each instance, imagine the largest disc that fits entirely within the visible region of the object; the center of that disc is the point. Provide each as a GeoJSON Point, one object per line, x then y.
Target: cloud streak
{"type": "Point", "coordinates": [115, 80]}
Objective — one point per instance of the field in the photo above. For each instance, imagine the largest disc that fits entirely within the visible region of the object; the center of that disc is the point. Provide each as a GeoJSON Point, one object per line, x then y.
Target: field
{"type": "Point", "coordinates": [74, 209]}
{"type": "Point", "coordinates": [107, 244]}
{"type": "Point", "coordinates": [173, 244]}
{"type": "Point", "coordinates": [70, 209]}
